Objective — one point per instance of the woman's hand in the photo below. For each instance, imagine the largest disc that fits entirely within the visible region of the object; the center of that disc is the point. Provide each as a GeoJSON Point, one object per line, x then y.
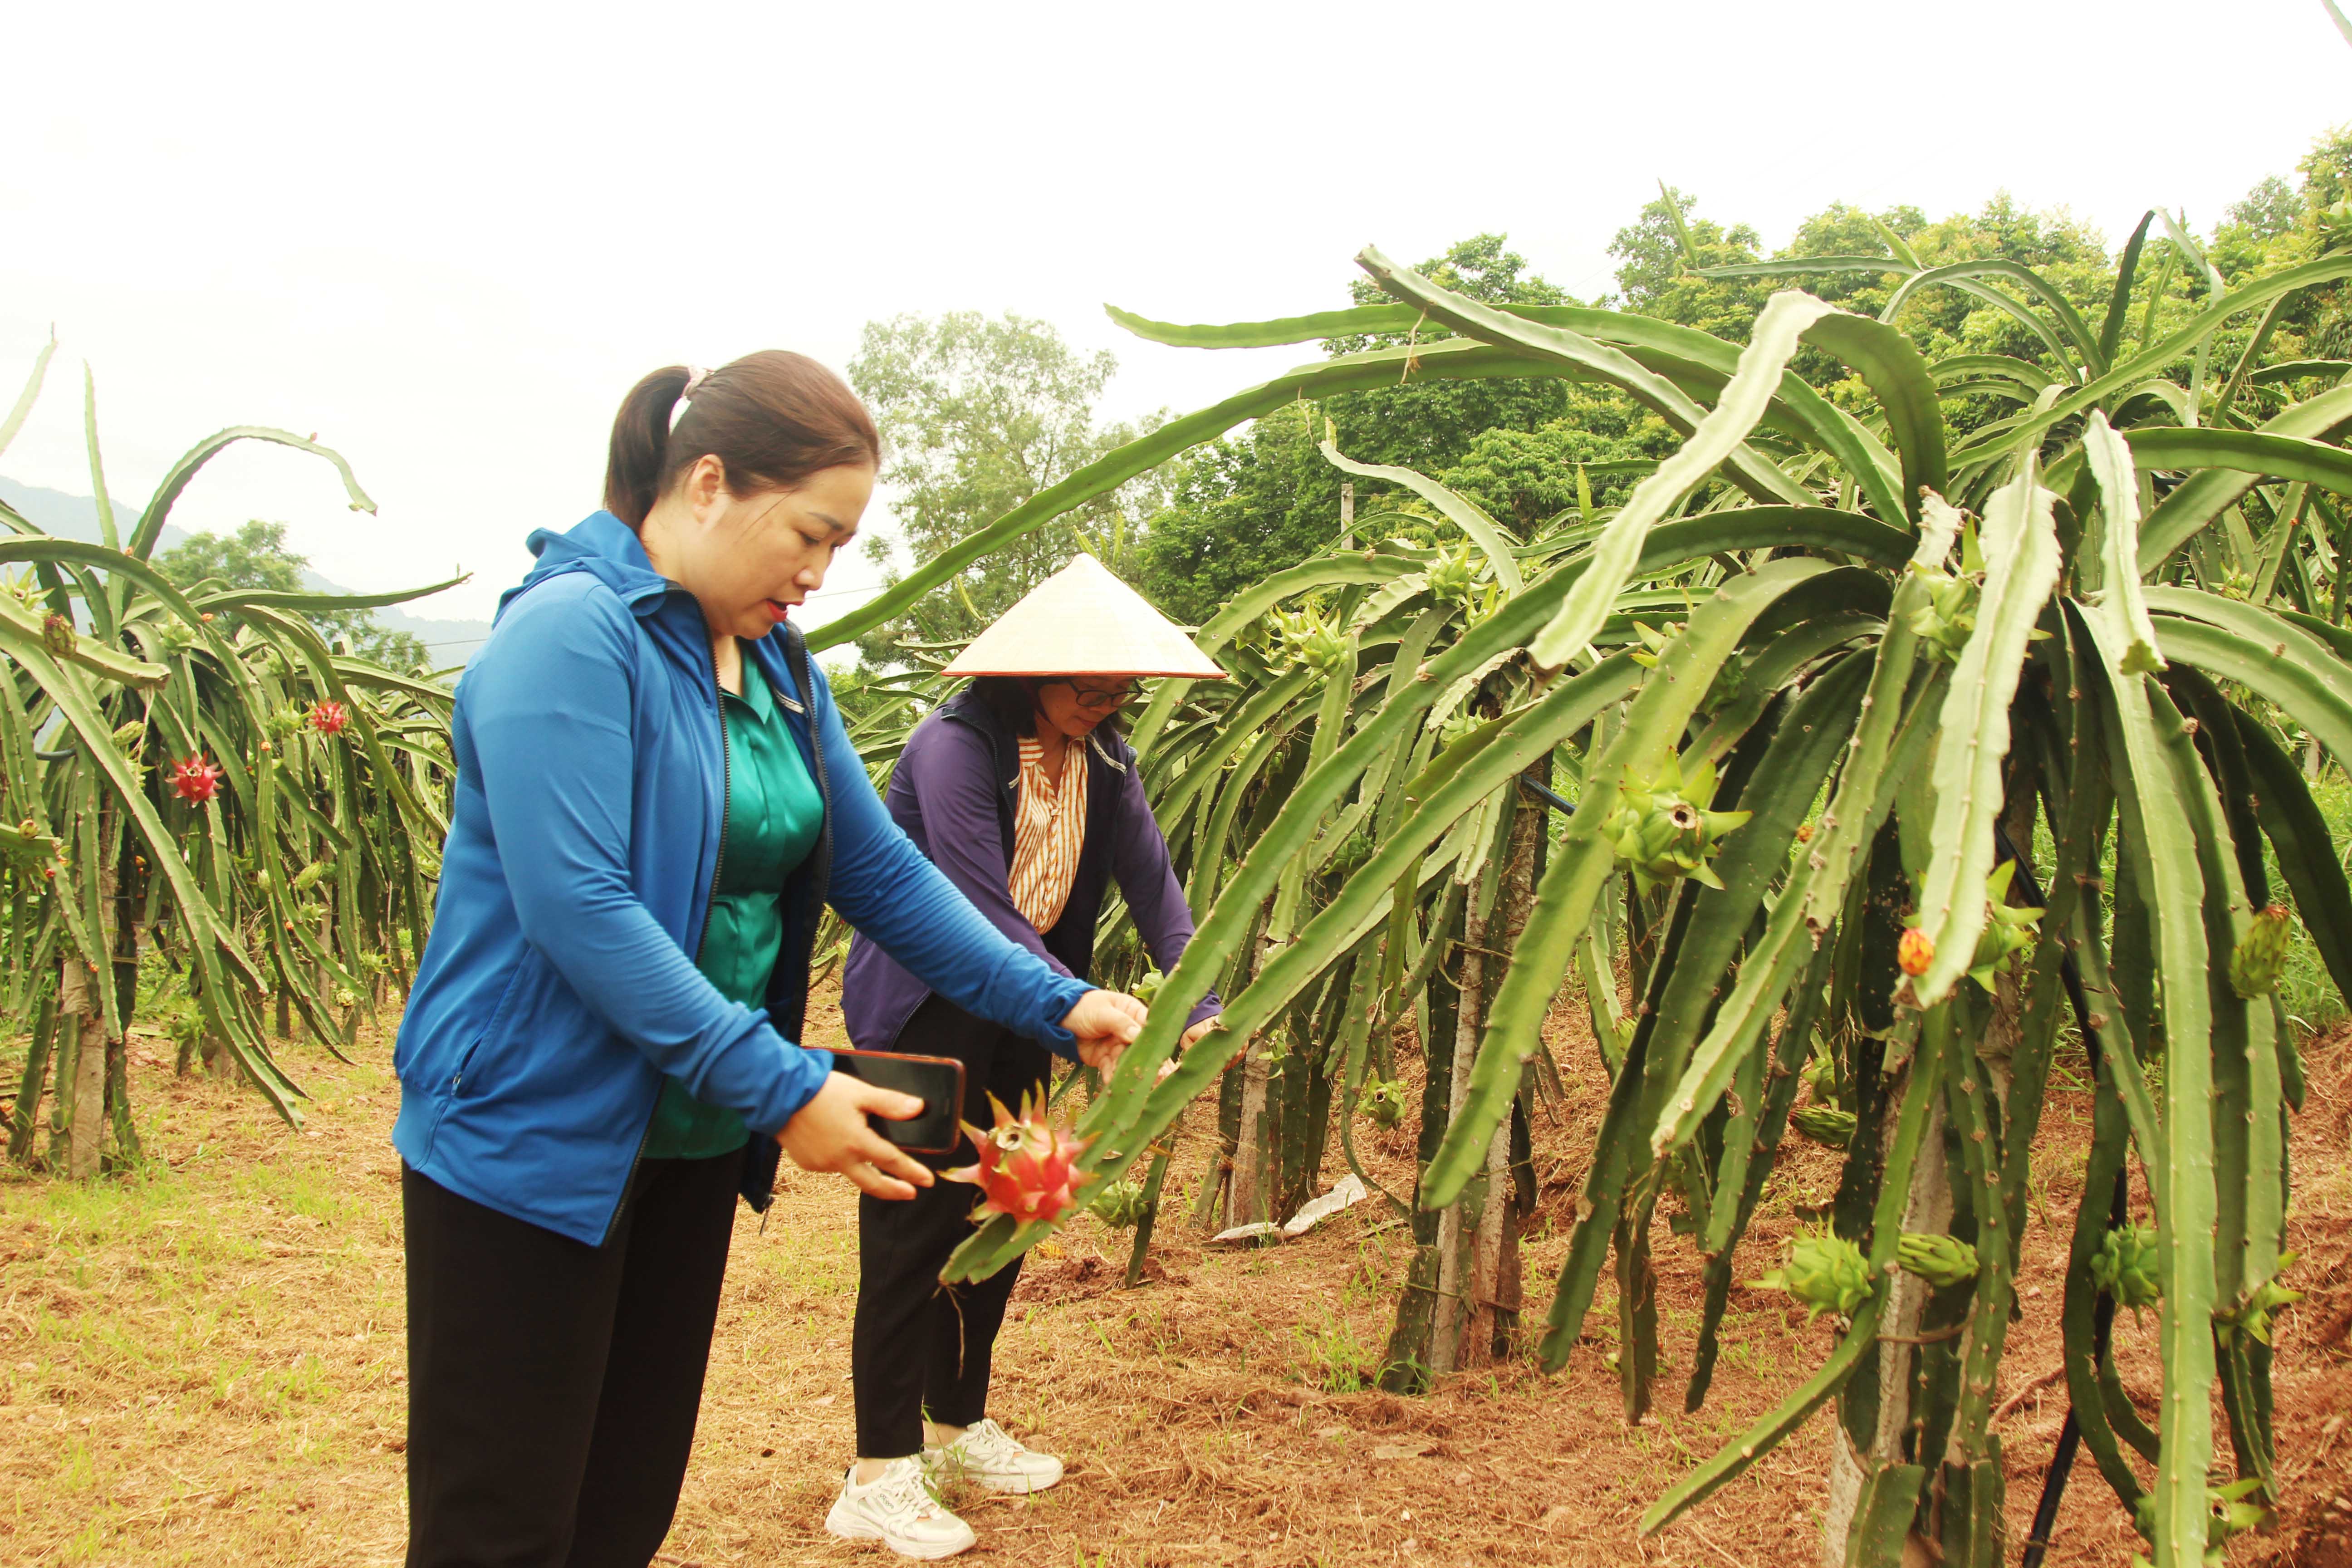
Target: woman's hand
{"type": "Point", "coordinates": [1105, 1023]}
{"type": "Point", "coordinates": [1199, 1029]}
{"type": "Point", "coordinates": [830, 1133]}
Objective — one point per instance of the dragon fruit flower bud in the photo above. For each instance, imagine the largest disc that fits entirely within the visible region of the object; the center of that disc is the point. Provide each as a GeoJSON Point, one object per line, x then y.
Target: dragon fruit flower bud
{"type": "Point", "coordinates": [1824, 1271]}
{"type": "Point", "coordinates": [1941, 1260]}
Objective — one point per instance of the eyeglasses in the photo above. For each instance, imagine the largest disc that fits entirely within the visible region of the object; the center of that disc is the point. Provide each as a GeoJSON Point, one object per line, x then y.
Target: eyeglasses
{"type": "Point", "coordinates": [1095, 699]}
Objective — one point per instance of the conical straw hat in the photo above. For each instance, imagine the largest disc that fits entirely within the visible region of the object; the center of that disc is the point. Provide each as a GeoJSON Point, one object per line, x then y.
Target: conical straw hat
{"type": "Point", "coordinates": [1084, 621]}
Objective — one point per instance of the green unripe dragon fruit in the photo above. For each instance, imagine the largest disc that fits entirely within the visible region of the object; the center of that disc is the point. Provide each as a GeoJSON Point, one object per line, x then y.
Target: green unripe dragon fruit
{"type": "Point", "coordinates": [1148, 986]}
{"type": "Point", "coordinates": [1824, 1124]}
{"type": "Point", "coordinates": [2007, 931]}
{"type": "Point", "coordinates": [1449, 578]}
{"type": "Point", "coordinates": [1942, 1262]}
{"type": "Point", "coordinates": [2228, 1513]}
{"type": "Point", "coordinates": [2260, 957]}
{"type": "Point", "coordinates": [1120, 1205]}
{"type": "Point", "coordinates": [1729, 675]}
{"type": "Point", "coordinates": [2126, 1267]}
{"type": "Point", "coordinates": [309, 876]}
{"type": "Point", "coordinates": [1653, 643]}
{"type": "Point", "coordinates": [1383, 1101]}
{"type": "Point", "coordinates": [1824, 1271]}
{"type": "Point", "coordinates": [2254, 1316]}
{"type": "Point", "coordinates": [57, 633]}
{"type": "Point", "coordinates": [1663, 829]}
{"type": "Point", "coordinates": [1945, 623]}
{"type": "Point", "coordinates": [1306, 638]}
{"type": "Point", "coordinates": [128, 736]}
{"type": "Point", "coordinates": [1457, 727]}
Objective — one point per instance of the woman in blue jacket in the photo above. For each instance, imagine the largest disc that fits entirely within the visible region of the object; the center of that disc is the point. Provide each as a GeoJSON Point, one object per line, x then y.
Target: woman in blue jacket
{"type": "Point", "coordinates": [655, 799]}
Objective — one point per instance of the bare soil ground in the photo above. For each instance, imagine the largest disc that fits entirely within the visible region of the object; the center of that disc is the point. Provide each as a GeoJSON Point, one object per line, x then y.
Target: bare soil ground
{"type": "Point", "coordinates": [202, 1363]}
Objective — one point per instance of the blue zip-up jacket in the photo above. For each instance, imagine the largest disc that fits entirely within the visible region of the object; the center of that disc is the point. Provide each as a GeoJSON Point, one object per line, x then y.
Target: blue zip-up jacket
{"type": "Point", "coordinates": [559, 985]}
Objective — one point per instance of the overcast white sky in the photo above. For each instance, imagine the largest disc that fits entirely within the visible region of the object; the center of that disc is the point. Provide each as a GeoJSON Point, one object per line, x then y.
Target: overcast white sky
{"type": "Point", "coordinates": [448, 237]}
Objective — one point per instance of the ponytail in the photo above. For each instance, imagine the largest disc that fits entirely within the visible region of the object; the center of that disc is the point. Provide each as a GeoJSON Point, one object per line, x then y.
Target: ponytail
{"type": "Point", "coordinates": [772, 419]}
{"type": "Point", "coordinates": [634, 468]}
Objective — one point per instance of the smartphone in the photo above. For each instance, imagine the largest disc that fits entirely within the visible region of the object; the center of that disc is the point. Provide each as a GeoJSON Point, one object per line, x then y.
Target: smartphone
{"type": "Point", "coordinates": [937, 1081]}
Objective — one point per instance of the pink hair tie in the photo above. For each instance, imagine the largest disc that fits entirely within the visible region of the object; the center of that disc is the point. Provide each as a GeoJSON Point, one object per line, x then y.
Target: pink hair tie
{"type": "Point", "coordinates": [694, 376]}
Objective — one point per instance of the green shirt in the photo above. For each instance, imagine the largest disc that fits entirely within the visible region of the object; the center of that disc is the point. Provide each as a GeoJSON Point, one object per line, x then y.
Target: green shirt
{"type": "Point", "coordinates": [773, 815]}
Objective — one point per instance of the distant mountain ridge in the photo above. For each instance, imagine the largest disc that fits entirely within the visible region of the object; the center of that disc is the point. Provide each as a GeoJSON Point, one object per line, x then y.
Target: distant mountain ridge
{"type": "Point", "coordinates": [449, 642]}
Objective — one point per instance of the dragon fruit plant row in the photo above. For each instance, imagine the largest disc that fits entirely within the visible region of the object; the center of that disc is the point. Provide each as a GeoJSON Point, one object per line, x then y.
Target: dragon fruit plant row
{"type": "Point", "coordinates": [1828, 738]}
{"type": "Point", "coordinates": [196, 777]}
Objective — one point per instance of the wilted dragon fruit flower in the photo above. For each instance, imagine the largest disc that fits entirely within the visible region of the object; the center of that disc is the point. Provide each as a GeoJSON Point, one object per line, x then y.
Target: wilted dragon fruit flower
{"type": "Point", "coordinates": [196, 779]}
{"type": "Point", "coordinates": [1824, 1124]}
{"type": "Point", "coordinates": [330, 718]}
{"type": "Point", "coordinates": [1027, 1167]}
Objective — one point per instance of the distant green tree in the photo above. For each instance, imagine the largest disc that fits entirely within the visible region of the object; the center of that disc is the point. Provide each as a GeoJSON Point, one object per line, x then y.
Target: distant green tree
{"type": "Point", "coordinates": [976, 417]}
{"type": "Point", "coordinates": [2272, 208]}
{"type": "Point", "coordinates": [256, 556]}
{"type": "Point", "coordinates": [1263, 498]}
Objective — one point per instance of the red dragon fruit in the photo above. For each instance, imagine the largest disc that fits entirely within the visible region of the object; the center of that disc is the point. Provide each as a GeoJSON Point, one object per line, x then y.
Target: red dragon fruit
{"type": "Point", "coordinates": [196, 779]}
{"type": "Point", "coordinates": [329, 718]}
{"type": "Point", "coordinates": [1027, 1167]}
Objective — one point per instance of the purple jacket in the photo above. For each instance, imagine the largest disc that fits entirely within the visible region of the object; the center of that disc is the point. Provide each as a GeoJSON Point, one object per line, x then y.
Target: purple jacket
{"type": "Point", "coordinates": [953, 792]}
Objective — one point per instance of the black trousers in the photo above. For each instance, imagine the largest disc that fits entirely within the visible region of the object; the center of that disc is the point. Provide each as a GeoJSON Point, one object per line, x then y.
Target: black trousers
{"type": "Point", "coordinates": [919, 1346]}
{"type": "Point", "coordinates": [552, 1386]}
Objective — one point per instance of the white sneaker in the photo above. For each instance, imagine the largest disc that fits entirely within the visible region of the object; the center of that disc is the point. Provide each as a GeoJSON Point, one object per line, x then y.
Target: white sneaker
{"type": "Point", "coordinates": [987, 1456]}
{"type": "Point", "coordinates": [896, 1509]}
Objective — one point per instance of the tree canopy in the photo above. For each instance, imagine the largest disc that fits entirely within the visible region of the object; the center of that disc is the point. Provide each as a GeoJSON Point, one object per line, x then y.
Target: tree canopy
{"type": "Point", "coordinates": [977, 416]}
{"type": "Point", "coordinates": [257, 556]}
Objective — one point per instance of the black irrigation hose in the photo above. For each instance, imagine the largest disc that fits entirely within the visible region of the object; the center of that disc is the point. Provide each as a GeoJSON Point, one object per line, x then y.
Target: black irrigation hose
{"type": "Point", "coordinates": [2102, 1313]}
{"type": "Point", "coordinates": [1545, 794]}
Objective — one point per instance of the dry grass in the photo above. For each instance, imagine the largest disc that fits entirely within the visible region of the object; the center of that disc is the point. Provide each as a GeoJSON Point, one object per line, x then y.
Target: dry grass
{"type": "Point", "coordinates": [202, 1364]}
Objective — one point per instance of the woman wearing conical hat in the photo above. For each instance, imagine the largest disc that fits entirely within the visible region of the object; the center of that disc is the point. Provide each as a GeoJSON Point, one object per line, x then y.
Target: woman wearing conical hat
{"type": "Point", "coordinates": [1020, 789]}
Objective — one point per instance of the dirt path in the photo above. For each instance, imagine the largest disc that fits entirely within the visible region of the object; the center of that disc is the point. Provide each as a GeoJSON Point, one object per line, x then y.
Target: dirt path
{"type": "Point", "coordinates": [203, 1365]}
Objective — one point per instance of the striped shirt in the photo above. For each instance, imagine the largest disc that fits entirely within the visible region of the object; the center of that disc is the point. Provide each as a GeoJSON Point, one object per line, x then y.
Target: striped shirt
{"type": "Point", "coordinates": [1049, 828]}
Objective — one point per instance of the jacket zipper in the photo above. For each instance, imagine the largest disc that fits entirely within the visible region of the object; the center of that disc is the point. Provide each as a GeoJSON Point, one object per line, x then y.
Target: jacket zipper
{"type": "Point", "coordinates": [718, 865]}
